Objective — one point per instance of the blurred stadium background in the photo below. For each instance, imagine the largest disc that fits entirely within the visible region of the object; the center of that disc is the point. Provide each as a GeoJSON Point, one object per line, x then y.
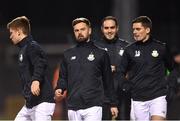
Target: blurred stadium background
{"type": "Point", "coordinates": [51, 27]}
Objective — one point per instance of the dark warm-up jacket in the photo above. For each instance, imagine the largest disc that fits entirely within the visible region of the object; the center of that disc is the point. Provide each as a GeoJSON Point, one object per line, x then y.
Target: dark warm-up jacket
{"type": "Point", "coordinates": [86, 74]}
{"type": "Point", "coordinates": [145, 63]}
{"type": "Point", "coordinates": [115, 49]}
{"type": "Point", "coordinates": [33, 65]}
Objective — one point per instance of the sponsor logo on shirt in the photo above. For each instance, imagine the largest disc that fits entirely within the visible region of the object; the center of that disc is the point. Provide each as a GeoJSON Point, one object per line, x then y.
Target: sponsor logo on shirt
{"type": "Point", "coordinates": [163, 112]}
{"type": "Point", "coordinates": [73, 57]}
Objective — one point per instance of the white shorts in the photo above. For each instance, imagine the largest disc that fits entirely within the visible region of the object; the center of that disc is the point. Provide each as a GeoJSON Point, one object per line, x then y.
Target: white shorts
{"type": "Point", "coordinates": [89, 114]}
{"type": "Point", "coordinates": [144, 110]}
{"type": "Point", "coordinates": [41, 112]}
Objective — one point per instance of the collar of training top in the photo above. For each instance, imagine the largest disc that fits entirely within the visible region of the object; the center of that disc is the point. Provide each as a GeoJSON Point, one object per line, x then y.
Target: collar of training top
{"type": "Point", "coordinates": [24, 41]}
{"type": "Point", "coordinates": [85, 43]}
{"type": "Point", "coordinates": [146, 42]}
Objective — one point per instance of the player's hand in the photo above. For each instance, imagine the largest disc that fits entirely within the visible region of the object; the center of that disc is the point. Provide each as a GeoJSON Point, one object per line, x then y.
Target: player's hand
{"type": "Point", "coordinates": [35, 89]}
{"type": "Point", "coordinates": [114, 112]}
{"type": "Point", "coordinates": [58, 92]}
{"type": "Point", "coordinates": [59, 95]}
{"type": "Point", "coordinates": [113, 68]}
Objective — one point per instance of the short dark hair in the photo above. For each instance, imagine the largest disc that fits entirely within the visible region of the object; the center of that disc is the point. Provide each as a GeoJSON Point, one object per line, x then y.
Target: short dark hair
{"type": "Point", "coordinates": [146, 21]}
{"type": "Point", "coordinates": [21, 22]}
{"type": "Point", "coordinates": [79, 20]}
{"type": "Point", "coordinates": [109, 18]}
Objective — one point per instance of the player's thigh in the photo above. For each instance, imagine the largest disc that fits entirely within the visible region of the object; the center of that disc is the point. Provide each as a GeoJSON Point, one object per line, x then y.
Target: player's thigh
{"type": "Point", "coordinates": [74, 115]}
{"type": "Point", "coordinates": [140, 110]}
{"type": "Point", "coordinates": [24, 114]}
{"type": "Point", "coordinates": [43, 111]}
{"type": "Point", "coordinates": [92, 114]}
{"type": "Point", "coordinates": [158, 109]}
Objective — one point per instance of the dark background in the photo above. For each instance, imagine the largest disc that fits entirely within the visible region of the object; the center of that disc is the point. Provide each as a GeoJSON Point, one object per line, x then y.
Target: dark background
{"type": "Point", "coordinates": [51, 27]}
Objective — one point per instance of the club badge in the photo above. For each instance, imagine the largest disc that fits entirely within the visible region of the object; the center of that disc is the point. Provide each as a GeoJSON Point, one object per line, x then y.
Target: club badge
{"type": "Point", "coordinates": [91, 57]}
{"type": "Point", "coordinates": [155, 53]}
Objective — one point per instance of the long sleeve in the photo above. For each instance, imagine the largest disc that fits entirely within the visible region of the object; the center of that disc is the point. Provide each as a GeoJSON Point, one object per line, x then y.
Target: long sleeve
{"type": "Point", "coordinates": [63, 76]}
{"type": "Point", "coordinates": [108, 82]}
{"type": "Point", "coordinates": [168, 59]}
{"type": "Point", "coordinates": [172, 79]}
{"type": "Point", "coordinates": [39, 62]}
{"type": "Point", "coordinates": [120, 74]}
{"type": "Point", "coordinates": [172, 86]}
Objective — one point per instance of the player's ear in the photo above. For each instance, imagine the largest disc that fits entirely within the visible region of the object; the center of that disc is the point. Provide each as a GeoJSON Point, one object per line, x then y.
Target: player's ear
{"type": "Point", "coordinates": [90, 30]}
{"type": "Point", "coordinates": [148, 30]}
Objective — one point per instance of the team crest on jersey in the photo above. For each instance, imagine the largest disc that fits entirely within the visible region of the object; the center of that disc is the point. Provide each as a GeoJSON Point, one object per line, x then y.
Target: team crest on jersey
{"type": "Point", "coordinates": [155, 53]}
{"type": "Point", "coordinates": [137, 53]}
{"type": "Point", "coordinates": [91, 57]}
{"type": "Point", "coordinates": [121, 51]}
{"type": "Point", "coordinates": [21, 57]}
